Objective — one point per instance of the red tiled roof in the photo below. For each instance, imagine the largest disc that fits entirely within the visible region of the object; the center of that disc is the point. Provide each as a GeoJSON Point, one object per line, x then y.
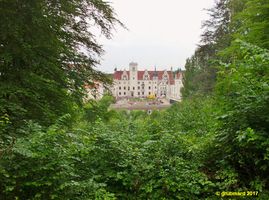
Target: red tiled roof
{"type": "Point", "coordinates": [140, 75]}
{"type": "Point", "coordinates": [117, 75]}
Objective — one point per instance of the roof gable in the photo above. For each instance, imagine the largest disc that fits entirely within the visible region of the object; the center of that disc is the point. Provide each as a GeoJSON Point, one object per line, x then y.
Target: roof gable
{"type": "Point", "coordinates": [140, 75]}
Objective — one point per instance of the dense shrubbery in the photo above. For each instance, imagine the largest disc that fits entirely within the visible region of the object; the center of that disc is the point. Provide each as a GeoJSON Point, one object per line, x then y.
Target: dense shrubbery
{"type": "Point", "coordinates": [243, 97]}
{"type": "Point", "coordinates": [215, 140]}
{"type": "Point", "coordinates": [190, 151]}
{"type": "Point", "coordinates": [129, 156]}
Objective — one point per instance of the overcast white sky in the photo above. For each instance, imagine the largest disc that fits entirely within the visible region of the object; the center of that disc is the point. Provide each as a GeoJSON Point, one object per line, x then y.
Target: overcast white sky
{"type": "Point", "coordinates": [161, 33]}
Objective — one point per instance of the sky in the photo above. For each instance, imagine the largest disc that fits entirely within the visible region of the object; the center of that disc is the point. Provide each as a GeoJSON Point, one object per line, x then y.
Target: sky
{"type": "Point", "coordinates": [160, 33]}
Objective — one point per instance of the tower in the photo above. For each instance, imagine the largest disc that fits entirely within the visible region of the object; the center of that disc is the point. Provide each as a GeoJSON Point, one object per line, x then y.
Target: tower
{"type": "Point", "coordinates": [155, 82]}
{"type": "Point", "coordinates": [133, 78]}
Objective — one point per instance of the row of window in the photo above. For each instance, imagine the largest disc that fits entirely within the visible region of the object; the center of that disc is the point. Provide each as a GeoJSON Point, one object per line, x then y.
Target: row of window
{"type": "Point", "coordinates": [138, 82]}
{"type": "Point", "coordinates": [124, 88]}
{"type": "Point", "coordinates": [146, 77]}
{"type": "Point", "coordinates": [138, 93]}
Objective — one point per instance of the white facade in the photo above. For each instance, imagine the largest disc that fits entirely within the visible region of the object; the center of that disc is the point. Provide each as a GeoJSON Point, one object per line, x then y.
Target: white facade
{"type": "Point", "coordinates": [141, 84]}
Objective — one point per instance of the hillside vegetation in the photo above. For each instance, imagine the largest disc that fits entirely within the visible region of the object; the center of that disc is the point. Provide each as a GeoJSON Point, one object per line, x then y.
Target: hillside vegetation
{"type": "Point", "coordinates": [54, 146]}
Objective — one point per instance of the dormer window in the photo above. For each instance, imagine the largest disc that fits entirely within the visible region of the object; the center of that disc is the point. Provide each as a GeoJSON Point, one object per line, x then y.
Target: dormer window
{"type": "Point", "coordinates": [124, 77]}
{"type": "Point", "coordinates": [146, 77]}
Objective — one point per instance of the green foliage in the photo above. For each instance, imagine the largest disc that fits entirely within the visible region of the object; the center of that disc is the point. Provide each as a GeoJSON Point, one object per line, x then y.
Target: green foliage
{"type": "Point", "coordinates": [99, 109]}
{"type": "Point", "coordinates": [243, 94]}
{"type": "Point", "coordinates": [219, 30]}
{"type": "Point", "coordinates": [129, 156]}
{"type": "Point", "coordinates": [200, 75]}
{"type": "Point", "coordinates": [42, 68]}
{"type": "Point", "coordinates": [254, 26]}
{"type": "Point", "coordinates": [205, 144]}
{"type": "Point", "coordinates": [50, 165]}
{"type": "Point", "coordinates": [180, 153]}
{"type": "Point", "coordinates": [235, 157]}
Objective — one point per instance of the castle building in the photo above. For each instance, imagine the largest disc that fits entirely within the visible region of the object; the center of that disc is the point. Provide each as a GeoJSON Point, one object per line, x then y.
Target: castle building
{"type": "Point", "coordinates": [141, 84]}
{"type": "Point", "coordinates": [95, 91]}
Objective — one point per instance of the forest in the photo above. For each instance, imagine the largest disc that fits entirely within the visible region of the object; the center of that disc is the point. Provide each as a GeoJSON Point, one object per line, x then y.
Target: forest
{"type": "Point", "coordinates": [54, 145]}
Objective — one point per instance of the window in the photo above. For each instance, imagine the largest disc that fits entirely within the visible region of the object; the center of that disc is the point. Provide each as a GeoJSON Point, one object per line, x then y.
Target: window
{"type": "Point", "coordinates": [128, 88]}
{"type": "Point", "coordinates": [138, 82]}
{"type": "Point", "coordinates": [138, 93]}
{"type": "Point", "coordinates": [133, 88]}
{"type": "Point", "coordinates": [119, 93]}
{"type": "Point", "coordinates": [149, 87]}
{"type": "Point", "coordinates": [149, 93]}
{"type": "Point", "coordinates": [142, 93]}
{"type": "Point", "coordinates": [149, 82]}
{"type": "Point", "coordinates": [120, 88]}
{"type": "Point", "coordinates": [124, 93]}
{"type": "Point", "coordinates": [155, 87]}
{"type": "Point", "coordinates": [124, 88]}
{"type": "Point", "coordinates": [138, 87]}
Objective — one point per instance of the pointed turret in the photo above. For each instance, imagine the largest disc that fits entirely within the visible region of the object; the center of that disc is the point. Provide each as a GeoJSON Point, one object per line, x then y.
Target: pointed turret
{"type": "Point", "coordinates": [155, 72]}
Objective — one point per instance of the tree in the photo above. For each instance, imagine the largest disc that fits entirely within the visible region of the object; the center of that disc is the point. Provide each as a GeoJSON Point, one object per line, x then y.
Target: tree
{"type": "Point", "coordinates": [201, 71]}
{"type": "Point", "coordinates": [48, 52]}
{"type": "Point", "coordinates": [200, 74]}
{"type": "Point", "coordinates": [242, 95]}
{"type": "Point", "coordinates": [253, 20]}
